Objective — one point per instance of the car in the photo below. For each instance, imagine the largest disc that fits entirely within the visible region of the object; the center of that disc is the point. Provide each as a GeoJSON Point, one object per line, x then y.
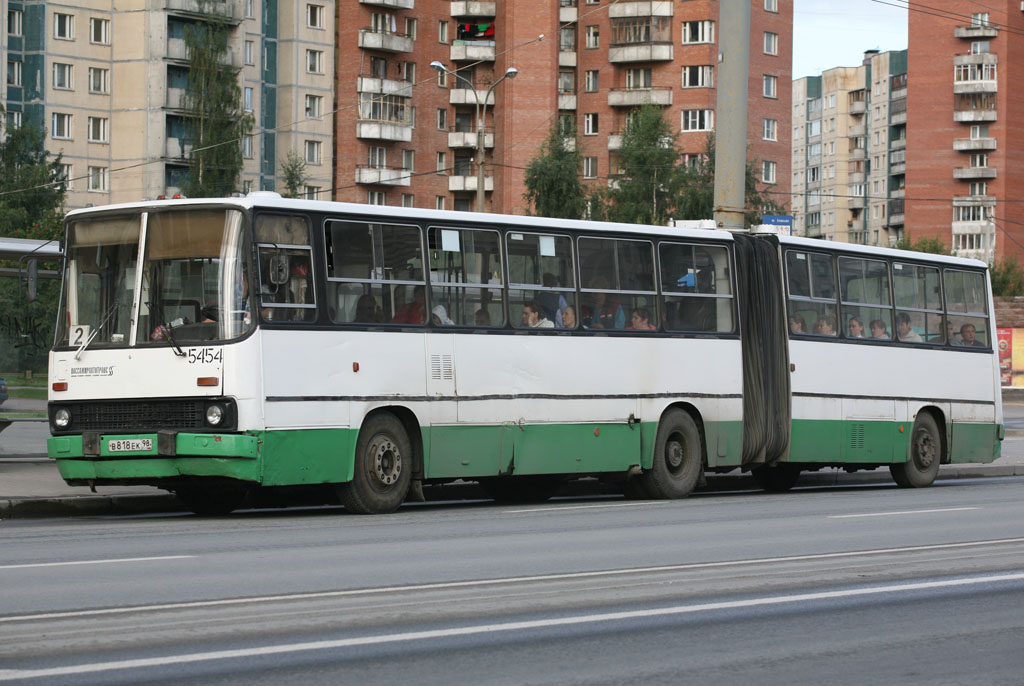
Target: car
{"type": "Point", "coordinates": [3, 390]}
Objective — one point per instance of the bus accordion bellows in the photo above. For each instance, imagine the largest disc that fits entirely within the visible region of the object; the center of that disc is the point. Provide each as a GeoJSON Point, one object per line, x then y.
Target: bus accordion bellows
{"type": "Point", "coordinates": [215, 347]}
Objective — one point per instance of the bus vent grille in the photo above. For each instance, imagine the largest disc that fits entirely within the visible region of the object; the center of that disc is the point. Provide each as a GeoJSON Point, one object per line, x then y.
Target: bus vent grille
{"type": "Point", "coordinates": [138, 415]}
{"type": "Point", "coordinates": [857, 436]}
{"type": "Point", "coordinates": [442, 368]}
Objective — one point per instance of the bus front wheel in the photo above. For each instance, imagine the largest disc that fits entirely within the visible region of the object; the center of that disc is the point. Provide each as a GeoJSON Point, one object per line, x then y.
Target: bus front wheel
{"type": "Point", "coordinates": [925, 455]}
{"type": "Point", "coordinates": [678, 457]}
{"type": "Point", "coordinates": [382, 470]}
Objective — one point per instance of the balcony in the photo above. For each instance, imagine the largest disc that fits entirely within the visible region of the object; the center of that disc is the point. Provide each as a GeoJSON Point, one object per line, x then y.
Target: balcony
{"type": "Point", "coordinates": [974, 115]}
{"type": "Point", "coordinates": [566, 58]}
{"type": "Point", "coordinates": [175, 98]}
{"type": "Point", "coordinates": [858, 153]}
{"type": "Point", "coordinates": [633, 97]}
{"type": "Point", "coordinates": [974, 144]}
{"type": "Point", "coordinates": [458, 183]}
{"type": "Point", "coordinates": [898, 193]}
{"type": "Point", "coordinates": [896, 220]}
{"type": "Point", "coordinates": [381, 130]}
{"type": "Point", "coordinates": [898, 144]}
{"type": "Point", "coordinates": [856, 202]}
{"type": "Point", "coordinates": [383, 176]}
{"type": "Point", "coordinates": [474, 9]}
{"type": "Point", "coordinates": [640, 52]}
{"type": "Point", "coordinates": [176, 51]}
{"type": "Point", "coordinates": [898, 118]}
{"type": "Point", "coordinates": [375, 86]}
{"type": "Point", "coordinates": [640, 8]}
{"type": "Point", "coordinates": [176, 148]}
{"type": "Point", "coordinates": [384, 41]}
{"type": "Point", "coordinates": [974, 201]}
{"type": "Point", "coordinates": [230, 10]}
{"type": "Point", "coordinates": [973, 173]}
{"type": "Point", "coordinates": [858, 107]}
{"type": "Point", "coordinates": [855, 131]}
{"type": "Point", "coordinates": [566, 101]}
{"type": "Point", "coordinates": [391, 4]}
{"type": "Point", "coordinates": [467, 96]}
{"type": "Point", "coordinates": [897, 168]}
{"type": "Point", "coordinates": [855, 178]}
{"type": "Point", "coordinates": [467, 139]}
{"type": "Point", "coordinates": [980, 86]}
{"type": "Point", "coordinates": [567, 15]}
{"type": "Point", "coordinates": [472, 52]}
{"type": "Point", "coordinates": [975, 32]}
{"type": "Point", "coordinates": [614, 141]}
{"type": "Point", "coordinates": [854, 225]}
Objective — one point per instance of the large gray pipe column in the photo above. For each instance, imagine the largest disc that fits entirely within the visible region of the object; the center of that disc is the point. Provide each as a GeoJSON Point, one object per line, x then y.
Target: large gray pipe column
{"type": "Point", "coordinates": [731, 113]}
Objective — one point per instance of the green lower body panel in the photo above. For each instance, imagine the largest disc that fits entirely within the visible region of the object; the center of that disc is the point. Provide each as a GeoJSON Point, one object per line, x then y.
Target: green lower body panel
{"type": "Point", "coordinates": [975, 442]}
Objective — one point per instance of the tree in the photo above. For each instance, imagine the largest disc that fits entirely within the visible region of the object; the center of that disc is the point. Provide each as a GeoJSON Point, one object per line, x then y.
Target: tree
{"type": "Point", "coordinates": [553, 185]}
{"type": "Point", "coordinates": [213, 107]}
{"type": "Point", "coordinates": [928, 244]}
{"type": "Point", "coordinates": [28, 192]}
{"type": "Point", "coordinates": [1007, 277]}
{"type": "Point", "coordinates": [293, 172]}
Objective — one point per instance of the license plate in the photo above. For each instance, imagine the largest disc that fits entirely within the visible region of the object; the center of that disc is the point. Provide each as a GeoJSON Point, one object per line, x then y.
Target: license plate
{"type": "Point", "coordinates": [129, 445]}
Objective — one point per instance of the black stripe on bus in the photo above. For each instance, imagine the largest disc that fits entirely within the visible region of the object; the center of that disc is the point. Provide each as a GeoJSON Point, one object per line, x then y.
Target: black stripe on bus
{"type": "Point", "coordinates": [498, 396]}
{"type": "Point", "coordinates": [839, 396]}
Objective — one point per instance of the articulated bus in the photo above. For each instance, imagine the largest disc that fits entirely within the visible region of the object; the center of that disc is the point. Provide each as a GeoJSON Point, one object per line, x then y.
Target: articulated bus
{"type": "Point", "coordinates": [219, 348]}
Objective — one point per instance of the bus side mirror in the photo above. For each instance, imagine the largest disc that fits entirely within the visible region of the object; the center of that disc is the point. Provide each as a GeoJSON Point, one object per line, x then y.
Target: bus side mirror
{"type": "Point", "coordinates": [278, 270]}
{"type": "Point", "coordinates": [32, 280]}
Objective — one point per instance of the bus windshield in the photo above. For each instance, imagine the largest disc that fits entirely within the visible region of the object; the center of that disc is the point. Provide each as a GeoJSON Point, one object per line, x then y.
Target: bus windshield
{"type": "Point", "coordinates": [192, 285]}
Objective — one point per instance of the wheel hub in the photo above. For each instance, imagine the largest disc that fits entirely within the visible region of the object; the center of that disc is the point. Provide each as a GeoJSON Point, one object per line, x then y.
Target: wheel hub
{"type": "Point", "coordinates": [387, 461]}
{"type": "Point", "coordinates": [925, 450]}
{"type": "Point", "coordinates": [674, 454]}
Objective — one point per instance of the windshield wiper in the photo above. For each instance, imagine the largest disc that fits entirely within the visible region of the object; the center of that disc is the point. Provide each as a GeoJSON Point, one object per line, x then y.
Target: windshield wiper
{"type": "Point", "coordinates": [96, 331]}
{"type": "Point", "coordinates": [169, 327]}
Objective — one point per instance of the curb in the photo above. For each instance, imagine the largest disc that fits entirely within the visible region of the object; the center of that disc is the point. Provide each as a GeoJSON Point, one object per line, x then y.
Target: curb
{"type": "Point", "coordinates": [162, 503]}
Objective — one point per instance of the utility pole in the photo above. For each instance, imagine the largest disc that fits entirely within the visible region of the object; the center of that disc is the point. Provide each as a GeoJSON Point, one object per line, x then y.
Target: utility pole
{"type": "Point", "coordinates": [731, 113]}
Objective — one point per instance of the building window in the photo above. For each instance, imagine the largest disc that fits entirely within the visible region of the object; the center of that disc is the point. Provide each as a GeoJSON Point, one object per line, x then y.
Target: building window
{"type": "Point", "coordinates": [314, 62]}
{"type": "Point", "coordinates": [771, 43]}
{"type": "Point", "coordinates": [699, 31]}
{"type": "Point", "coordinates": [974, 72]}
{"type": "Point", "coordinates": [314, 106]}
{"type": "Point", "coordinates": [98, 130]}
{"type": "Point", "coordinates": [442, 79]}
{"type": "Point", "coordinates": [66, 175]}
{"type": "Point", "coordinates": [697, 76]}
{"type": "Point", "coordinates": [590, 124]}
{"type": "Point", "coordinates": [771, 85]}
{"type": "Point", "coordinates": [247, 52]}
{"type": "Point", "coordinates": [315, 16]}
{"type": "Point", "coordinates": [593, 37]}
{"type": "Point", "coordinates": [979, 188]}
{"type": "Point", "coordinates": [375, 198]}
{"type": "Point", "coordinates": [14, 18]}
{"type": "Point", "coordinates": [312, 152]}
{"type": "Point", "coordinates": [698, 120]}
{"type": "Point", "coordinates": [62, 76]}
{"type": "Point", "coordinates": [410, 27]}
{"type": "Point", "coordinates": [99, 31]}
{"type": "Point", "coordinates": [769, 129]}
{"type": "Point", "coordinates": [590, 167]}
{"type": "Point", "coordinates": [63, 26]}
{"type": "Point", "coordinates": [979, 131]}
{"type": "Point", "coordinates": [639, 78]}
{"type": "Point", "coordinates": [408, 200]}
{"type": "Point", "coordinates": [247, 98]}
{"type": "Point", "coordinates": [567, 39]}
{"type": "Point", "coordinates": [979, 19]}
{"type": "Point", "coordinates": [566, 82]}
{"type": "Point", "coordinates": [442, 32]}
{"type": "Point", "coordinates": [14, 72]}
{"type": "Point", "coordinates": [442, 119]}
{"type": "Point", "coordinates": [409, 160]}
{"type": "Point", "coordinates": [247, 146]}
{"type": "Point", "coordinates": [61, 126]}
{"type": "Point", "coordinates": [442, 163]}
{"type": "Point", "coordinates": [591, 80]}
{"type": "Point", "coordinates": [250, 9]}
{"type": "Point", "coordinates": [980, 47]}
{"type": "Point", "coordinates": [98, 179]}
{"type": "Point", "coordinates": [13, 119]}
{"type": "Point", "coordinates": [771, 5]}
{"type": "Point", "coordinates": [377, 157]}
{"type": "Point", "coordinates": [979, 160]}
{"type": "Point", "coordinates": [311, 192]}
{"type": "Point", "coordinates": [439, 202]}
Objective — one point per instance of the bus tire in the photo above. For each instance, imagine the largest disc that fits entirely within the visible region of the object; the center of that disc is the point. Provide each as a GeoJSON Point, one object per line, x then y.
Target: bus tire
{"type": "Point", "coordinates": [678, 457]}
{"type": "Point", "coordinates": [777, 478]}
{"type": "Point", "coordinates": [382, 471]}
{"type": "Point", "coordinates": [209, 500]}
{"type": "Point", "coordinates": [922, 466]}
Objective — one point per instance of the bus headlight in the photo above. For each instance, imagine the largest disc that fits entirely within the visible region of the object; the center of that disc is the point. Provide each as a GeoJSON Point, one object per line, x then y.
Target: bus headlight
{"type": "Point", "coordinates": [62, 418]}
{"type": "Point", "coordinates": [214, 415]}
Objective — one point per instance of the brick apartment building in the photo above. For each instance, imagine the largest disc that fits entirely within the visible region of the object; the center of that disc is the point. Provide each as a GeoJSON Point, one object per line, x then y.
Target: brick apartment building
{"type": "Point", "coordinates": [405, 135]}
{"type": "Point", "coordinates": [965, 150]}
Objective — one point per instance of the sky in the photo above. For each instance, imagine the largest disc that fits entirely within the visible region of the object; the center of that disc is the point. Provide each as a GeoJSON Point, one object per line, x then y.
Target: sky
{"type": "Point", "coordinates": [835, 33]}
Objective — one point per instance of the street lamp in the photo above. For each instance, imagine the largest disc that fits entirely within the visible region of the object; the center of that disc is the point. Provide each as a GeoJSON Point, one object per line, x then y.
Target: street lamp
{"type": "Point", "coordinates": [481, 112]}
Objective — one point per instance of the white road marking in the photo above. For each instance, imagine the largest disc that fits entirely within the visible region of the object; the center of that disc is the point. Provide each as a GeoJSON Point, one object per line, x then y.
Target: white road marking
{"type": "Point", "coordinates": [380, 639]}
{"type": "Point", "coordinates": [903, 512]}
{"type": "Point", "coordinates": [445, 585]}
{"type": "Point", "coordinates": [96, 562]}
{"type": "Point", "coordinates": [559, 508]}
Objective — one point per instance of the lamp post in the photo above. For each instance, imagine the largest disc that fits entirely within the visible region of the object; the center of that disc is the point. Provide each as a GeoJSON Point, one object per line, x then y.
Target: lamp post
{"type": "Point", "coordinates": [481, 112]}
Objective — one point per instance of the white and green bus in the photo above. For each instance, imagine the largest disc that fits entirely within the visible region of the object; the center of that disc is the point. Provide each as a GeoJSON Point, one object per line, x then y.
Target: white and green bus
{"type": "Point", "coordinates": [217, 347]}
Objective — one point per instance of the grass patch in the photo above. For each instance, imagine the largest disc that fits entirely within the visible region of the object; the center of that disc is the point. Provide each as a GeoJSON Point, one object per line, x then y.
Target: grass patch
{"type": "Point", "coordinates": [31, 393]}
{"type": "Point", "coordinates": [37, 380]}
{"type": "Point", "coordinates": [23, 415]}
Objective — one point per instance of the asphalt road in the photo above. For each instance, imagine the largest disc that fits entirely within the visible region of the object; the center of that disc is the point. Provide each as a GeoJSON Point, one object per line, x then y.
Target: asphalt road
{"type": "Point", "coordinates": [839, 586]}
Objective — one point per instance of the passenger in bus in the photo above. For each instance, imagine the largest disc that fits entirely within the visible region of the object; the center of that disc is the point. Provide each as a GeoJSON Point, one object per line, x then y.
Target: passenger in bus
{"type": "Point", "coordinates": [569, 317]}
{"type": "Point", "coordinates": [797, 323]}
{"type": "Point", "coordinates": [439, 316]}
{"type": "Point", "coordinates": [412, 312]}
{"type": "Point", "coordinates": [952, 337]}
{"type": "Point", "coordinates": [551, 302]}
{"type": "Point", "coordinates": [368, 311]}
{"type": "Point", "coordinates": [856, 327]}
{"type": "Point", "coordinates": [641, 320]}
{"type": "Point", "coordinates": [483, 317]}
{"type": "Point", "coordinates": [826, 325]}
{"type": "Point", "coordinates": [878, 329]}
{"type": "Point", "coordinates": [533, 316]}
{"type": "Point", "coordinates": [602, 313]}
{"type": "Point", "coordinates": [969, 337]}
{"type": "Point", "coordinates": [903, 330]}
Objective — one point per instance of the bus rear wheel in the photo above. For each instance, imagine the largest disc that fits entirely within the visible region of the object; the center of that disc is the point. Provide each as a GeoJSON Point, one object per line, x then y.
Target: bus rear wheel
{"type": "Point", "coordinates": [777, 478]}
{"type": "Point", "coordinates": [925, 455]}
{"type": "Point", "coordinates": [382, 470]}
{"type": "Point", "coordinates": [678, 457]}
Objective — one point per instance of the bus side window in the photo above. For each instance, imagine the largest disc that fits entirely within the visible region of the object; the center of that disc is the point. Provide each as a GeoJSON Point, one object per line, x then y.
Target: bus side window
{"type": "Point", "coordinates": [695, 287]}
{"type": "Point", "coordinates": [812, 293]}
{"type": "Point", "coordinates": [617, 278]}
{"type": "Point", "coordinates": [919, 314]}
{"type": "Point", "coordinates": [466, 275]}
{"type": "Point", "coordinates": [864, 294]}
{"type": "Point", "coordinates": [967, 305]}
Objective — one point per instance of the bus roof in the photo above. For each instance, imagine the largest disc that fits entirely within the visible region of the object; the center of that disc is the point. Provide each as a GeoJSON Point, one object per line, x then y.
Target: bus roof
{"type": "Point", "coordinates": [272, 200]}
{"type": "Point", "coordinates": [16, 248]}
